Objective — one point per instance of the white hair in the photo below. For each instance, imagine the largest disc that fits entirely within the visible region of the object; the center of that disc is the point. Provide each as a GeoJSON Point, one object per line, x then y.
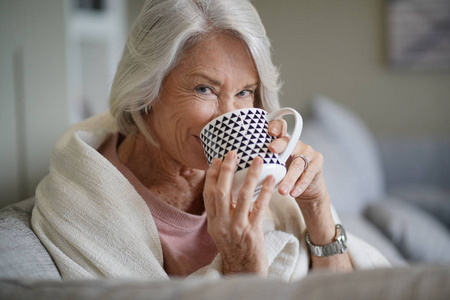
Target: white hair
{"type": "Point", "coordinates": [160, 34]}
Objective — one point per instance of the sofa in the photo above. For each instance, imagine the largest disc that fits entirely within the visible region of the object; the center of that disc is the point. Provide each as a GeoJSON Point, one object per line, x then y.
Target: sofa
{"type": "Point", "coordinates": [392, 193]}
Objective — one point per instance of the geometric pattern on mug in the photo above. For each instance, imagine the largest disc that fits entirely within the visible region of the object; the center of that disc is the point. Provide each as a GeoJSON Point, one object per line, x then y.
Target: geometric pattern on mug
{"type": "Point", "coordinates": [245, 132]}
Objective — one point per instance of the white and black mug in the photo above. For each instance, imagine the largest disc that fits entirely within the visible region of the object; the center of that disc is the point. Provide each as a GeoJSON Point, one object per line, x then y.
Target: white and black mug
{"type": "Point", "coordinates": [246, 132]}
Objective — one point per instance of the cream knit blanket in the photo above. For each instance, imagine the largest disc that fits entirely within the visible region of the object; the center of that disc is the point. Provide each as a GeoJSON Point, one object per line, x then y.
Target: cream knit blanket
{"type": "Point", "coordinates": [95, 225]}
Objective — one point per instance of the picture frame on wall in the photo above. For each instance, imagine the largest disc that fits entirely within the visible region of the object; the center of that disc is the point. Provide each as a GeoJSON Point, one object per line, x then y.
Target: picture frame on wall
{"type": "Point", "coordinates": [418, 34]}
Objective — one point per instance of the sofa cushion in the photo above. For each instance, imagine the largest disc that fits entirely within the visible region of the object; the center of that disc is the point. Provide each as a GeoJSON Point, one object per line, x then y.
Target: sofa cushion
{"type": "Point", "coordinates": [419, 282]}
{"type": "Point", "coordinates": [352, 169]}
{"type": "Point", "coordinates": [21, 253]}
{"type": "Point", "coordinates": [417, 234]}
{"type": "Point", "coordinates": [432, 199]}
{"type": "Point", "coordinates": [359, 226]}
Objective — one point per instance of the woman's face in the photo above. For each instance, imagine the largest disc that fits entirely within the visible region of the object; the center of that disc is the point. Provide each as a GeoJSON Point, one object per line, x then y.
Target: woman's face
{"type": "Point", "coordinates": [216, 76]}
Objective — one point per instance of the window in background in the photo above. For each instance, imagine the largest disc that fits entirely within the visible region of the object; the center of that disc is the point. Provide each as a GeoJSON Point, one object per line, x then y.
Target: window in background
{"type": "Point", "coordinates": [91, 5]}
{"type": "Point", "coordinates": [96, 37]}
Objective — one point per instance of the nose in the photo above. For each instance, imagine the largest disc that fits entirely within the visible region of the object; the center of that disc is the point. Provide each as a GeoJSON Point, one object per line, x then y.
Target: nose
{"type": "Point", "coordinates": [221, 109]}
{"type": "Point", "coordinates": [226, 106]}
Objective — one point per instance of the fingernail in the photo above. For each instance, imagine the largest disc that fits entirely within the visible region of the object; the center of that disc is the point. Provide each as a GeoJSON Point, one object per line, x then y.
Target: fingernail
{"type": "Point", "coordinates": [272, 148]}
{"type": "Point", "coordinates": [258, 160]}
{"type": "Point", "coordinates": [275, 131]}
{"type": "Point", "coordinates": [272, 179]}
{"type": "Point", "coordinates": [232, 154]}
{"type": "Point", "coordinates": [295, 193]}
{"type": "Point", "coordinates": [284, 189]}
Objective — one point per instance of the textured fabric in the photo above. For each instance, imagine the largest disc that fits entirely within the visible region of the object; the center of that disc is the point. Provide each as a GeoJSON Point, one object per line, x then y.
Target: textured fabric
{"type": "Point", "coordinates": [418, 235]}
{"type": "Point", "coordinates": [419, 282]}
{"type": "Point", "coordinates": [95, 224]}
{"type": "Point", "coordinates": [184, 237]}
{"type": "Point", "coordinates": [21, 253]}
{"type": "Point", "coordinates": [353, 169]}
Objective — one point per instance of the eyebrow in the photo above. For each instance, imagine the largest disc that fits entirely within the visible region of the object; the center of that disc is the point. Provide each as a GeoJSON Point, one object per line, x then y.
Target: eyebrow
{"type": "Point", "coordinates": [215, 82]}
{"type": "Point", "coordinates": [251, 85]}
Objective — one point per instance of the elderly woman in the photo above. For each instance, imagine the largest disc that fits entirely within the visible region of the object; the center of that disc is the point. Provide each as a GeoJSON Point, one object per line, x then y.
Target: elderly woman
{"type": "Point", "coordinates": [130, 193]}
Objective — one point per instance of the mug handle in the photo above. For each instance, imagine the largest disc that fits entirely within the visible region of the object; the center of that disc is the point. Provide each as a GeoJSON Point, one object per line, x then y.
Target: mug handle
{"type": "Point", "coordinates": [298, 127]}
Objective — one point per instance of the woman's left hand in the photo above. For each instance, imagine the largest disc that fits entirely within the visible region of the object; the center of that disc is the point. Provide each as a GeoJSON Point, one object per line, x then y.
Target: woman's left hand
{"type": "Point", "coordinates": [306, 184]}
{"type": "Point", "coordinates": [303, 184]}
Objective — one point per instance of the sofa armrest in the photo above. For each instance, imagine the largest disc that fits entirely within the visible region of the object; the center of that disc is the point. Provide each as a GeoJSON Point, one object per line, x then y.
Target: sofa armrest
{"type": "Point", "coordinates": [22, 254]}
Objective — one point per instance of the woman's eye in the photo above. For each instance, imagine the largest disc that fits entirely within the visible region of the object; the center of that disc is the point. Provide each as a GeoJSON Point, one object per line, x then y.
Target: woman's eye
{"type": "Point", "coordinates": [204, 90]}
{"type": "Point", "coordinates": [245, 93]}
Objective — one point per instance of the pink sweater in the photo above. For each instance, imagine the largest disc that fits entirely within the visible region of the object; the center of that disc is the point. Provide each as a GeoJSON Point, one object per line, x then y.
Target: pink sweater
{"type": "Point", "coordinates": [185, 241]}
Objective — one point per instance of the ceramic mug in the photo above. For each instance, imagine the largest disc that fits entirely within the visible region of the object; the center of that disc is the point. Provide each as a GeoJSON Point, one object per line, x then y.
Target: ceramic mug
{"type": "Point", "coordinates": [246, 132]}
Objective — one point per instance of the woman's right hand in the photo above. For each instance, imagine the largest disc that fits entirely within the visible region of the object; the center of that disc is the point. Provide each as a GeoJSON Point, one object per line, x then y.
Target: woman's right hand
{"type": "Point", "coordinates": [237, 231]}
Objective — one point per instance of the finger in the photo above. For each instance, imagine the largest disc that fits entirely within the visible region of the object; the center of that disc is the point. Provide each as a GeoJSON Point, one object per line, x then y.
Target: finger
{"type": "Point", "coordinates": [212, 174]}
{"type": "Point", "coordinates": [262, 202]}
{"type": "Point", "coordinates": [224, 182]}
{"type": "Point", "coordinates": [294, 172]}
{"type": "Point", "coordinates": [245, 195]}
{"type": "Point", "coordinates": [301, 148]}
{"type": "Point", "coordinates": [295, 167]}
{"type": "Point", "coordinates": [277, 128]}
{"type": "Point", "coordinates": [278, 145]}
{"type": "Point", "coordinates": [307, 177]}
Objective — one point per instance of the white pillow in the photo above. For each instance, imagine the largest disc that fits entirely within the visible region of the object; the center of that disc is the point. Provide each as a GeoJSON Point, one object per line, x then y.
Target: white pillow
{"type": "Point", "coordinates": [432, 199]}
{"type": "Point", "coordinates": [361, 227]}
{"type": "Point", "coordinates": [418, 235]}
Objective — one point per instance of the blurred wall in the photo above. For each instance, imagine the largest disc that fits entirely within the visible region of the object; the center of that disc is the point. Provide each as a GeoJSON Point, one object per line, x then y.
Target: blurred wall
{"type": "Point", "coordinates": [337, 48]}
{"type": "Point", "coordinates": [33, 92]}
{"type": "Point", "coordinates": [133, 9]}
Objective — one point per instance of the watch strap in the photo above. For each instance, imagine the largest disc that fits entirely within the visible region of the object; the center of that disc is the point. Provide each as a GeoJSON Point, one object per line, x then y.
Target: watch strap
{"type": "Point", "coordinates": [339, 245]}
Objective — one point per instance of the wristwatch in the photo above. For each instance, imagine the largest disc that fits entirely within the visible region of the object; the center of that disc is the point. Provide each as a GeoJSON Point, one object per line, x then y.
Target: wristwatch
{"type": "Point", "coordinates": [337, 247]}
